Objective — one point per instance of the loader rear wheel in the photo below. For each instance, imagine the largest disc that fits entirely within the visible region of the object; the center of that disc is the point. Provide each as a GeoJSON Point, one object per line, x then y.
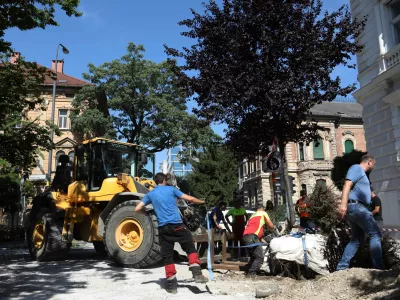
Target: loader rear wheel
{"type": "Point", "coordinates": [131, 239]}
{"type": "Point", "coordinates": [99, 247]}
{"type": "Point", "coordinates": [45, 241]}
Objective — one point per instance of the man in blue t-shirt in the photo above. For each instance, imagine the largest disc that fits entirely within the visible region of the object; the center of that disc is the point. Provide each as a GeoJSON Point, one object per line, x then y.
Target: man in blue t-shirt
{"type": "Point", "coordinates": [356, 198]}
{"type": "Point", "coordinates": [171, 229]}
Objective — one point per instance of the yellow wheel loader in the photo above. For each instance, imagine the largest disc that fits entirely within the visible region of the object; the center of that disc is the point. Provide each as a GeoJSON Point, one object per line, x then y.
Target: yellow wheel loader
{"type": "Point", "coordinates": [97, 206]}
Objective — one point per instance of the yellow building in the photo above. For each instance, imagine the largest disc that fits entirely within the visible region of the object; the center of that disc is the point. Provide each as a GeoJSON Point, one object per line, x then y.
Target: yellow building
{"type": "Point", "coordinates": [67, 88]}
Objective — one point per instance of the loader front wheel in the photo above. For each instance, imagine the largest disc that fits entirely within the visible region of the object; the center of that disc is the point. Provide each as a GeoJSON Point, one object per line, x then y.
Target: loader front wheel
{"type": "Point", "coordinates": [131, 239]}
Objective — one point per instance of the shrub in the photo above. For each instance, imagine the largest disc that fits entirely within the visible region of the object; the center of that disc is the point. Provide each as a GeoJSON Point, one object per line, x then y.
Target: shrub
{"type": "Point", "coordinates": [324, 208]}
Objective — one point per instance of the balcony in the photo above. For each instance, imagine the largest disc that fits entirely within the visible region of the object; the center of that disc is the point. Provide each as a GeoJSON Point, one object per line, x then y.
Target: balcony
{"type": "Point", "coordinates": [321, 165]}
{"type": "Point", "coordinates": [393, 57]}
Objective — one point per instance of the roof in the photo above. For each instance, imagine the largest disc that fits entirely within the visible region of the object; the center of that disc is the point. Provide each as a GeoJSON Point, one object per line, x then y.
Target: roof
{"type": "Point", "coordinates": [343, 109]}
{"type": "Point", "coordinates": [65, 80]}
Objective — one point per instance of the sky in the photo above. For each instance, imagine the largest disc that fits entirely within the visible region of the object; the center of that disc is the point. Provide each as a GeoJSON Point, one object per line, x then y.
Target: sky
{"type": "Point", "coordinates": [106, 27]}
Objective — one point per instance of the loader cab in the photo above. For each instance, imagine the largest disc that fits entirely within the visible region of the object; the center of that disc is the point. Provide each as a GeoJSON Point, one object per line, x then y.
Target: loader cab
{"type": "Point", "coordinates": [99, 159]}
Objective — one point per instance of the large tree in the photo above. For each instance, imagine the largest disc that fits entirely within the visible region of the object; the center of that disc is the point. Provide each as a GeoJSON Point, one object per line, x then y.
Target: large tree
{"type": "Point", "coordinates": [214, 175]}
{"type": "Point", "coordinates": [261, 65]}
{"type": "Point", "coordinates": [21, 138]}
{"type": "Point", "coordinates": [136, 100]}
{"type": "Point", "coordinates": [20, 82]}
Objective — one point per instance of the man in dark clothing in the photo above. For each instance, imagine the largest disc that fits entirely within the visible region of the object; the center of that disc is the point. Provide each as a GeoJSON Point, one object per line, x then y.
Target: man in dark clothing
{"type": "Point", "coordinates": [376, 208]}
{"type": "Point", "coordinates": [171, 229]}
{"type": "Point", "coordinates": [63, 175]}
{"type": "Point", "coordinates": [216, 216]}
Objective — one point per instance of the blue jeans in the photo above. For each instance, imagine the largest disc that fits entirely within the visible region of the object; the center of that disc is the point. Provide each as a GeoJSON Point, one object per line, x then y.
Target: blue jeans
{"type": "Point", "coordinates": [361, 221]}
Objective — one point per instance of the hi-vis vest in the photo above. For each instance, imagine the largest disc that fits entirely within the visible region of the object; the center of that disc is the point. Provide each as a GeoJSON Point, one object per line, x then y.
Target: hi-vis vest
{"type": "Point", "coordinates": [303, 208]}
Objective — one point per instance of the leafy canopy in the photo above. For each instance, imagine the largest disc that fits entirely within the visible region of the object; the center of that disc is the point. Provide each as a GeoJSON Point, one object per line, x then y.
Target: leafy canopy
{"type": "Point", "coordinates": [20, 92]}
{"type": "Point", "coordinates": [136, 100]}
{"type": "Point", "coordinates": [261, 65]}
{"type": "Point", "coordinates": [31, 14]}
{"type": "Point", "coordinates": [214, 175]}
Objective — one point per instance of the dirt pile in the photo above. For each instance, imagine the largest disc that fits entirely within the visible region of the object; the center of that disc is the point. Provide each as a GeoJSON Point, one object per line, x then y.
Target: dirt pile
{"type": "Point", "coordinates": [348, 284]}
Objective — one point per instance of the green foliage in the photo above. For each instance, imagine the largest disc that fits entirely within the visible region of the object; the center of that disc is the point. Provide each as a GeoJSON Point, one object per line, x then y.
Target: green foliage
{"type": "Point", "coordinates": [184, 186]}
{"type": "Point", "coordinates": [260, 66]}
{"type": "Point", "coordinates": [277, 215]}
{"type": "Point", "coordinates": [341, 165]}
{"type": "Point", "coordinates": [147, 107]}
{"type": "Point", "coordinates": [214, 175]}
{"type": "Point", "coordinates": [31, 14]}
{"type": "Point", "coordinates": [29, 189]}
{"type": "Point", "coordinates": [9, 192]}
{"type": "Point", "coordinates": [324, 207]}
{"type": "Point", "coordinates": [20, 93]}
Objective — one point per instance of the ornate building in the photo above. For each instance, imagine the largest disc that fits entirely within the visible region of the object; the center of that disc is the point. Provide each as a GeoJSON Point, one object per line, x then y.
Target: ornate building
{"type": "Point", "coordinates": [67, 87]}
{"type": "Point", "coordinates": [309, 164]}
{"type": "Point", "coordinates": [379, 94]}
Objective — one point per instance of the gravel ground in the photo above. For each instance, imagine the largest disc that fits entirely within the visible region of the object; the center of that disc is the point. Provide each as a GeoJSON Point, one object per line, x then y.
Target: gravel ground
{"type": "Point", "coordinates": [85, 275]}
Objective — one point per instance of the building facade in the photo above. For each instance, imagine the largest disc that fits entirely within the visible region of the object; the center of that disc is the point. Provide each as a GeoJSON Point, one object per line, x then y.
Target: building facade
{"type": "Point", "coordinates": [173, 165]}
{"type": "Point", "coordinates": [309, 164]}
{"type": "Point", "coordinates": [379, 94]}
{"type": "Point", "coordinates": [67, 87]}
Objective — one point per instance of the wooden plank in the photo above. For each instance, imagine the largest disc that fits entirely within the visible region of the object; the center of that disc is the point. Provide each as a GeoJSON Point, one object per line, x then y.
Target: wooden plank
{"type": "Point", "coordinates": [212, 246]}
{"type": "Point", "coordinates": [204, 259]}
{"type": "Point", "coordinates": [200, 238]}
{"type": "Point", "coordinates": [238, 263]}
{"type": "Point", "coordinates": [223, 247]}
{"type": "Point", "coordinates": [226, 267]}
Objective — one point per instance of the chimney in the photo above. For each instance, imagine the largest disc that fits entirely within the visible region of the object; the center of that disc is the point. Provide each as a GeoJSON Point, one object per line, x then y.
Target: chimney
{"type": "Point", "coordinates": [60, 65]}
{"type": "Point", "coordinates": [14, 57]}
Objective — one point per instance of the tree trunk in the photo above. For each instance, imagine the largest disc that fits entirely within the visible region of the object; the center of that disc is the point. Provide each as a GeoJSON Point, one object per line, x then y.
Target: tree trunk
{"type": "Point", "coordinates": [285, 182]}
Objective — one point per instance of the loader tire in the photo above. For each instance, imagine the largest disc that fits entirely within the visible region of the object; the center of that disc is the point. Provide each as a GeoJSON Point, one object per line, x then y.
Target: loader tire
{"type": "Point", "coordinates": [131, 239]}
{"type": "Point", "coordinates": [100, 247]}
{"type": "Point", "coordinates": [45, 241]}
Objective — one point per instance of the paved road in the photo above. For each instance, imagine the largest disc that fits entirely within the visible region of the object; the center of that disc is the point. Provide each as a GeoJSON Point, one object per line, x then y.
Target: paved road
{"type": "Point", "coordinates": [86, 275]}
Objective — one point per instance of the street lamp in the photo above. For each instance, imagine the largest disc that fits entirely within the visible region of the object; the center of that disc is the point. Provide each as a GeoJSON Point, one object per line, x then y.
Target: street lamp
{"type": "Point", "coordinates": [53, 107]}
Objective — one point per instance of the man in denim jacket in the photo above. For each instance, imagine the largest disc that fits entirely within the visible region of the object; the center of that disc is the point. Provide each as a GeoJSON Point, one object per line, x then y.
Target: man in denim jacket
{"type": "Point", "coordinates": [356, 198]}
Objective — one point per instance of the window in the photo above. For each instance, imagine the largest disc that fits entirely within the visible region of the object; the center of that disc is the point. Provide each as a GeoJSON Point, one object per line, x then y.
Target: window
{"type": "Point", "coordinates": [82, 167]}
{"type": "Point", "coordinates": [304, 187]}
{"type": "Point", "coordinates": [249, 197]}
{"type": "Point", "coordinates": [318, 149]}
{"type": "Point", "coordinates": [58, 154]}
{"type": "Point", "coordinates": [71, 157]}
{"type": "Point", "coordinates": [63, 119]}
{"type": "Point", "coordinates": [69, 95]}
{"type": "Point", "coordinates": [301, 150]}
{"type": "Point", "coordinates": [348, 146]}
{"type": "Point", "coordinates": [241, 171]}
{"type": "Point", "coordinates": [175, 150]}
{"type": "Point", "coordinates": [177, 166]}
{"type": "Point", "coordinates": [395, 19]}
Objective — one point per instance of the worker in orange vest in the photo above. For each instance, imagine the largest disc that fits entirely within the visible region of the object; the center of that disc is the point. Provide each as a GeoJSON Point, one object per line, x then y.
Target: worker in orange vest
{"type": "Point", "coordinates": [302, 209]}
